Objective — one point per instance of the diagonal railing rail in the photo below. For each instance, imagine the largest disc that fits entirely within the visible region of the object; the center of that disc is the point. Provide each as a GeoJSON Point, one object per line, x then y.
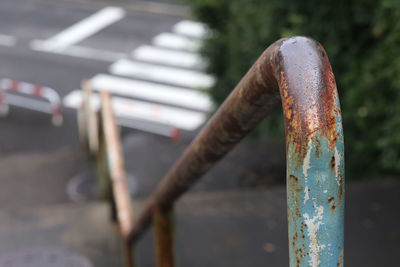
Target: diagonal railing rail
{"type": "Point", "coordinates": [296, 72]}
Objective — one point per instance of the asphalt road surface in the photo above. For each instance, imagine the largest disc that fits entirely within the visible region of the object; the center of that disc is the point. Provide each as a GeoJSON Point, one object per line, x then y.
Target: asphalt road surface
{"type": "Point", "coordinates": [144, 52]}
{"type": "Point", "coordinates": [26, 25]}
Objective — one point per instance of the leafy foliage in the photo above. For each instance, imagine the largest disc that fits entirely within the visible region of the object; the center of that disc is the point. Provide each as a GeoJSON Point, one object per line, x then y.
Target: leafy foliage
{"type": "Point", "coordinates": [362, 39]}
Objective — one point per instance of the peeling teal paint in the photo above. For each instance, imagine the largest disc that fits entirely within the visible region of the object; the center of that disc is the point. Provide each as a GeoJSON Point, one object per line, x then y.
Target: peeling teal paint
{"type": "Point", "coordinates": [315, 192]}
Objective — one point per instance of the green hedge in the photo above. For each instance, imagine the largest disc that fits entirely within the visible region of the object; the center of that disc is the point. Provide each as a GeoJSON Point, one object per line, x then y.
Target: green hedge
{"type": "Point", "coordinates": [362, 39]}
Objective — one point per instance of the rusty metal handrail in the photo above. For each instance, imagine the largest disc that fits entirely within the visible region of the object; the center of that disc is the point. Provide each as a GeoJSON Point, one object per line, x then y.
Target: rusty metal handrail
{"type": "Point", "coordinates": [88, 122]}
{"type": "Point", "coordinates": [100, 134]}
{"type": "Point", "coordinates": [297, 71]}
{"type": "Point", "coordinates": [112, 167]}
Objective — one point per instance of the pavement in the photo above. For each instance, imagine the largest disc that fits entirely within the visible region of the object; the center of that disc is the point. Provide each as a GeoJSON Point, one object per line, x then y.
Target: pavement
{"type": "Point", "coordinates": [53, 236]}
{"type": "Point", "coordinates": [118, 46]}
{"type": "Point", "coordinates": [118, 56]}
{"type": "Point", "coordinates": [232, 228]}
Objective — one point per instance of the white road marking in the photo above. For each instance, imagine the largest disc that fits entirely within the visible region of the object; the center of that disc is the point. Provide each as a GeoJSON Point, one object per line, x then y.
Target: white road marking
{"type": "Point", "coordinates": [159, 8]}
{"type": "Point", "coordinates": [168, 57]}
{"type": "Point", "coordinates": [79, 51]}
{"type": "Point", "coordinates": [126, 108]}
{"type": "Point", "coordinates": [152, 92]}
{"type": "Point", "coordinates": [174, 76]}
{"type": "Point", "coordinates": [85, 28]}
{"type": "Point", "coordinates": [7, 40]}
{"type": "Point", "coordinates": [191, 28]}
{"type": "Point", "coordinates": [175, 41]}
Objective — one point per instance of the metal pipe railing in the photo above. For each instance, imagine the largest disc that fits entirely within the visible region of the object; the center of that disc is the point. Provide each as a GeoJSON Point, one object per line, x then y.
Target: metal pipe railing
{"type": "Point", "coordinates": [88, 122]}
{"type": "Point", "coordinates": [100, 134]}
{"type": "Point", "coordinates": [113, 163]}
{"type": "Point", "coordinates": [297, 71]}
{"type": "Point", "coordinates": [31, 90]}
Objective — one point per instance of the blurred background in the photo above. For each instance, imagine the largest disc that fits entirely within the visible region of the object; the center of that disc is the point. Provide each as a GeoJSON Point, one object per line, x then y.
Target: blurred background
{"type": "Point", "coordinates": [169, 65]}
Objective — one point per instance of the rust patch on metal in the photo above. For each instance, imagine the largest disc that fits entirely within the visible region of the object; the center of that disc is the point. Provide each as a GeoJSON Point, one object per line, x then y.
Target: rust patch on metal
{"type": "Point", "coordinates": [163, 235]}
{"type": "Point", "coordinates": [299, 251]}
{"type": "Point", "coordinates": [332, 163]}
{"type": "Point", "coordinates": [340, 262]}
{"type": "Point", "coordinates": [314, 91]}
{"type": "Point", "coordinates": [340, 187]}
{"type": "Point", "coordinates": [318, 151]}
{"type": "Point", "coordinates": [330, 199]}
{"type": "Point", "coordinates": [294, 178]}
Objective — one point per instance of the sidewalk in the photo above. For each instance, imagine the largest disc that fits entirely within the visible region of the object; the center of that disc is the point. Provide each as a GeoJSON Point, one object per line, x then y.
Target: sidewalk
{"type": "Point", "coordinates": [249, 228]}
{"type": "Point", "coordinates": [233, 217]}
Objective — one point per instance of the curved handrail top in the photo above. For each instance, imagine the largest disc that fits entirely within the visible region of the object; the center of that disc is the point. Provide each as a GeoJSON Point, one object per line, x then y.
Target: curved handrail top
{"type": "Point", "coordinates": [296, 70]}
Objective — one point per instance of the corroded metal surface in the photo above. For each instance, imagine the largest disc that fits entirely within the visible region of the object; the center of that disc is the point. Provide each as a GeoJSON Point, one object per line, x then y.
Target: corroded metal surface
{"type": "Point", "coordinates": [91, 120]}
{"type": "Point", "coordinates": [315, 155]}
{"type": "Point", "coordinates": [116, 165]}
{"type": "Point", "coordinates": [297, 71]}
{"type": "Point", "coordinates": [115, 168]}
{"type": "Point", "coordinates": [163, 235]}
{"type": "Point", "coordinates": [128, 254]}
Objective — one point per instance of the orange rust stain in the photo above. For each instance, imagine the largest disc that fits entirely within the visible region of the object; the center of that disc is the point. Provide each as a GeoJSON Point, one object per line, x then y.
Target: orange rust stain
{"type": "Point", "coordinates": [287, 99]}
{"type": "Point", "coordinates": [340, 186]}
{"type": "Point", "coordinates": [298, 252]}
{"type": "Point", "coordinates": [294, 239]}
{"type": "Point", "coordinates": [318, 151]}
{"type": "Point", "coordinates": [340, 262]}
{"type": "Point", "coordinates": [332, 163]}
{"type": "Point", "coordinates": [298, 214]}
{"type": "Point", "coordinates": [329, 98]}
{"type": "Point", "coordinates": [294, 178]}
{"type": "Point", "coordinates": [310, 111]}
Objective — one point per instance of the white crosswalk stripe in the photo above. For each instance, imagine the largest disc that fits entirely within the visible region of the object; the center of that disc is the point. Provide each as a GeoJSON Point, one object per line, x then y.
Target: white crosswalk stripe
{"type": "Point", "coordinates": [159, 84]}
{"type": "Point", "coordinates": [175, 41]}
{"type": "Point", "coordinates": [170, 57]}
{"type": "Point", "coordinates": [156, 73]}
{"type": "Point", "coordinates": [152, 92]}
{"type": "Point", "coordinates": [191, 29]}
{"type": "Point", "coordinates": [127, 108]}
{"type": "Point", "coordinates": [83, 29]}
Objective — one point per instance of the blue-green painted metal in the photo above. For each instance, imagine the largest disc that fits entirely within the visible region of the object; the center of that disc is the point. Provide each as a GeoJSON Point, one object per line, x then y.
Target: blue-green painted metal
{"type": "Point", "coordinates": [297, 72]}
{"type": "Point", "coordinates": [315, 194]}
{"type": "Point", "coordinates": [315, 156]}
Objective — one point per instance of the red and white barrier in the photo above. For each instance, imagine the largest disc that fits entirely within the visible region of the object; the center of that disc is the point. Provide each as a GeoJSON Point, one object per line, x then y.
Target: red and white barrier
{"type": "Point", "coordinates": [31, 90]}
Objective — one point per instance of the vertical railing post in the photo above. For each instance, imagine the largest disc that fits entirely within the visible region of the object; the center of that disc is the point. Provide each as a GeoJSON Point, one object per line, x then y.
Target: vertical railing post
{"type": "Point", "coordinates": [91, 119]}
{"type": "Point", "coordinates": [164, 237]}
{"type": "Point", "coordinates": [112, 158]}
{"type": "Point", "coordinates": [104, 183]}
{"type": "Point", "coordinates": [128, 253]}
{"type": "Point", "coordinates": [315, 154]}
